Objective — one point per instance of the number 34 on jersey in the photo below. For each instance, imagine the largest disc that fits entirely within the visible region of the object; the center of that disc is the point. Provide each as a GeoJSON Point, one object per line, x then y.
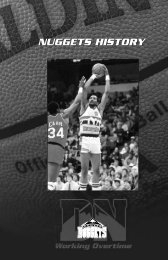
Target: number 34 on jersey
{"type": "Point", "coordinates": [52, 132]}
{"type": "Point", "coordinates": [57, 130]}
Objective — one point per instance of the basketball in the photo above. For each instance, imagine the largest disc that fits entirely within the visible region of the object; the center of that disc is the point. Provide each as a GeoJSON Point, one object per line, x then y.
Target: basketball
{"type": "Point", "coordinates": [98, 69]}
{"type": "Point", "coordinates": [25, 204]}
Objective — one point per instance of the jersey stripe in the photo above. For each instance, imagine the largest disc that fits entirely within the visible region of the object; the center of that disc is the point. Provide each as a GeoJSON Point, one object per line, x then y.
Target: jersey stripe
{"type": "Point", "coordinates": [53, 143]}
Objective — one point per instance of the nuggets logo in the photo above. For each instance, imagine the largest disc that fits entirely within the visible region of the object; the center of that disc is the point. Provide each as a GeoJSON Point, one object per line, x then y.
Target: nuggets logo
{"type": "Point", "coordinates": [76, 212]}
{"type": "Point", "coordinates": [92, 229]}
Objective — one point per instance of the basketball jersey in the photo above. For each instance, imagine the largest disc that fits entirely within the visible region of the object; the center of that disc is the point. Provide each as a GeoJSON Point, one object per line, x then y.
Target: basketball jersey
{"type": "Point", "coordinates": [90, 122]}
{"type": "Point", "coordinates": [57, 130]}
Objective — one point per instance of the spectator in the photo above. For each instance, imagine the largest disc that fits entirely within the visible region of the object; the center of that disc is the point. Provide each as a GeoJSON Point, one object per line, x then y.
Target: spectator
{"type": "Point", "coordinates": [70, 184]}
{"type": "Point", "coordinates": [133, 143]}
{"type": "Point", "coordinates": [107, 185]}
{"type": "Point", "coordinates": [117, 184]}
{"type": "Point", "coordinates": [59, 184]}
{"type": "Point", "coordinates": [76, 178]}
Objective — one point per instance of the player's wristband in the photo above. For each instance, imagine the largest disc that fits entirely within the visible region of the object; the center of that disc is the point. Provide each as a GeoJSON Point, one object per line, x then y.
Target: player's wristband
{"type": "Point", "coordinates": [93, 77]}
{"type": "Point", "coordinates": [107, 77]}
{"type": "Point", "coordinates": [80, 90]}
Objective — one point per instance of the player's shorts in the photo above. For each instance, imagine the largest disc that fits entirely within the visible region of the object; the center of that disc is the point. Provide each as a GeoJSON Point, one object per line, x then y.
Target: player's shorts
{"type": "Point", "coordinates": [55, 153]}
{"type": "Point", "coordinates": [90, 145]}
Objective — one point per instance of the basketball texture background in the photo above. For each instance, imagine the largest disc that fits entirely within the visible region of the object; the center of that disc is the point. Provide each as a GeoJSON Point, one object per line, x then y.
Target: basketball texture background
{"type": "Point", "coordinates": [25, 205]}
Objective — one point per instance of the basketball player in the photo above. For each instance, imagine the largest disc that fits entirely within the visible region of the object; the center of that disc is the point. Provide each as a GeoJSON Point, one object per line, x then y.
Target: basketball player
{"type": "Point", "coordinates": [90, 122]}
{"type": "Point", "coordinates": [57, 135]}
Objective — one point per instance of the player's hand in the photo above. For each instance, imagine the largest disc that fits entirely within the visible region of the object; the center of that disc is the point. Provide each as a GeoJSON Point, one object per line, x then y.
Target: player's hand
{"type": "Point", "coordinates": [106, 70]}
{"type": "Point", "coordinates": [82, 82]}
{"type": "Point", "coordinates": [96, 76]}
{"type": "Point", "coordinates": [99, 76]}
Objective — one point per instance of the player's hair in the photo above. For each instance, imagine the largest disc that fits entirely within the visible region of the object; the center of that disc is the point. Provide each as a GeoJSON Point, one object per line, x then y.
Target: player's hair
{"type": "Point", "coordinates": [53, 108]}
{"type": "Point", "coordinates": [92, 94]}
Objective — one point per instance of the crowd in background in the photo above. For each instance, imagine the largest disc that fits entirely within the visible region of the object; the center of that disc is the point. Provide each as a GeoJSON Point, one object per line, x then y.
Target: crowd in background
{"type": "Point", "coordinates": [119, 144]}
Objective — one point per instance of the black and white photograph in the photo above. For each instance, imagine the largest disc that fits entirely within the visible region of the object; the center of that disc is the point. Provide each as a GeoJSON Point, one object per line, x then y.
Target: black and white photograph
{"type": "Point", "coordinates": [93, 108]}
{"type": "Point", "coordinates": [83, 128]}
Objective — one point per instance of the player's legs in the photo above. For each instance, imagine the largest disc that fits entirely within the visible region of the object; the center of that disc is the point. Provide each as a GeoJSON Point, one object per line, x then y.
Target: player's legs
{"type": "Point", "coordinates": [55, 158]}
{"type": "Point", "coordinates": [85, 157]}
{"type": "Point", "coordinates": [96, 162]}
{"type": "Point", "coordinates": [53, 171]}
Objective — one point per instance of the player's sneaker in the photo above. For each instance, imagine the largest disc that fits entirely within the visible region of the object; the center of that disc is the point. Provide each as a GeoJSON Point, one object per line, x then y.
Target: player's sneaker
{"type": "Point", "coordinates": [96, 189]}
{"type": "Point", "coordinates": [96, 186]}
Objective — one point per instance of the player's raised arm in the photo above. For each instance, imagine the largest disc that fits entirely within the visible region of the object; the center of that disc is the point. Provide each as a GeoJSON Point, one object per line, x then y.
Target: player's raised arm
{"type": "Point", "coordinates": [85, 91]}
{"type": "Point", "coordinates": [72, 108]}
{"type": "Point", "coordinates": [81, 86]}
{"type": "Point", "coordinates": [106, 92]}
